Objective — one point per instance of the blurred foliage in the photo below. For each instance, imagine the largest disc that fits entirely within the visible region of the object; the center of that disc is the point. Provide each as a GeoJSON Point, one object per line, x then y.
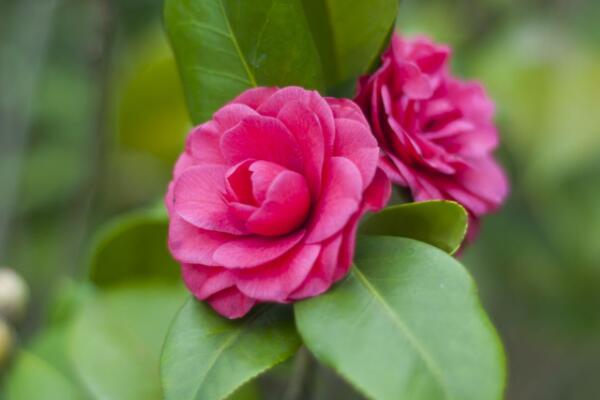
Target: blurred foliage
{"type": "Point", "coordinates": [90, 155]}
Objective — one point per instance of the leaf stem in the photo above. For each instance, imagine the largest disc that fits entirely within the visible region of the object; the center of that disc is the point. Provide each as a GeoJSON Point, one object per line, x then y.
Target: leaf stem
{"type": "Point", "coordinates": [303, 374]}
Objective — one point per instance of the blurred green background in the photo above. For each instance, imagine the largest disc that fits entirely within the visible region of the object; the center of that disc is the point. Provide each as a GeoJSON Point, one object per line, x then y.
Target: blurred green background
{"type": "Point", "coordinates": [92, 117]}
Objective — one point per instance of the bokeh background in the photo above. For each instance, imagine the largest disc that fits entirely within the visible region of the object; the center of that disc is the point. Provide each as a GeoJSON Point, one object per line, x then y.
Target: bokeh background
{"type": "Point", "coordinates": [92, 117]}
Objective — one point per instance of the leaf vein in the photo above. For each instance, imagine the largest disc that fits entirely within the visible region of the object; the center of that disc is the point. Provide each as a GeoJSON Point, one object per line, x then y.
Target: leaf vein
{"type": "Point", "coordinates": [227, 343]}
{"type": "Point", "coordinates": [237, 46]}
{"type": "Point", "coordinates": [221, 74]}
{"type": "Point", "coordinates": [435, 370]}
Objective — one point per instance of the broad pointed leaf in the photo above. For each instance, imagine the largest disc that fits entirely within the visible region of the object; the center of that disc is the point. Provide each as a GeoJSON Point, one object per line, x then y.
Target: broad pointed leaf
{"type": "Point", "coordinates": [132, 248]}
{"type": "Point", "coordinates": [224, 47]}
{"type": "Point", "coordinates": [207, 357]}
{"type": "Point", "coordinates": [442, 224]}
{"type": "Point", "coordinates": [406, 324]}
{"type": "Point", "coordinates": [350, 34]}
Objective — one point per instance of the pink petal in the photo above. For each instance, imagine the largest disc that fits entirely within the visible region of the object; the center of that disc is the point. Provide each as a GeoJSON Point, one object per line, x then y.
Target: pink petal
{"type": "Point", "coordinates": [231, 303]}
{"type": "Point", "coordinates": [391, 171]}
{"type": "Point", "coordinates": [355, 142]}
{"type": "Point", "coordinates": [342, 191]}
{"type": "Point", "coordinates": [253, 98]}
{"type": "Point", "coordinates": [203, 144]}
{"type": "Point", "coordinates": [347, 248]}
{"type": "Point", "coordinates": [486, 180]}
{"type": "Point", "coordinates": [477, 142]}
{"type": "Point", "coordinates": [309, 98]}
{"type": "Point", "coordinates": [232, 114]}
{"type": "Point", "coordinates": [262, 138]}
{"type": "Point", "coordinates": [306, 128]}
{"type": "Point", "coordinates": [199, 199]}
{"type": "Point", "coordinates": [204, 282]}
{"type": "Point", "coordinates": [189, 244]}
{"type": "Point", "coordinates": [346, 108]}
{"type": "Point", "coordinates": [252, 251]}
{"type": "Point", "coordinates": [277, 280]}
{"type": "Point", "coordinates": [241, 211]}
{"type": "Point", "coordinates": [238, 181]}
{"type": "Point", "coordinates": [320, 278]}
{"type": "Point", "coordinates": [184, 162]}
{"type": "Point", "coordinates": [263, 175]}
{"type": "Point", "coordinates": [285, 208]}
{"type": "Point", "coordinates": [378, 193]}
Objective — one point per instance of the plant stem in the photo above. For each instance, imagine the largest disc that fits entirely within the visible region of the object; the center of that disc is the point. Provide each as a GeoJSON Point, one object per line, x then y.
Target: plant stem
{"type": "Point", "coordinates": [303, 375]}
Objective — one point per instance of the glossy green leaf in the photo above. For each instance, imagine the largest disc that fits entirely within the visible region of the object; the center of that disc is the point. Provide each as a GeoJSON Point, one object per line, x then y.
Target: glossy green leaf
{"type": "Point", "coordinates": [207, 357]}
{"type": "Point", "coordinates": [442, 224]}
{"type": "Point", "coordinates": [131, 248]}
{"type": "Point", "coordinates": [226, 46]}
{"type": "Point", "coordinates": [33, 378]}
{"type": "Point", "coordinates": [406, 324]}
{"type": "Point", "coordinates": [116, 341]}
{"type": "Point", "coordinates": [350, 34]}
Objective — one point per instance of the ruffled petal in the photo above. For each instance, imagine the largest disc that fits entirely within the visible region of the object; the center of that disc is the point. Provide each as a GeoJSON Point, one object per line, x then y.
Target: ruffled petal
{"type": "Point", "coordinates": [275, 281]}
{"type": "Point", "coordinates": [261, 138]}
{"type": "Point", "coordinates": [231, 303]}
{"type": "Point", "coordinates": [204, 281]}
{"type": "Point", "coordinates": [189, 244]}
{"type": "Point", "coordinates": [253, 98]}
{"type": "Point", "coordinates": [342, 191]}
{"type": "Point", "coordinates": [320, 278]}
{"type": "Point", "coordinates": [355, 142]}
{"type": "Point", "coordinates": [198, 198]}
{"type": "Point", "coordinates": [285, 207]}
{"type": "Point", "coordinates": [232, 114]}
{"type": "Point", "coordinates": [311, 99]}
{"type": "Point", "coordinates": [203, 144]}
{"type": "Point", "coordinates": [252, 251]}
{"type": "Point", "coordinates": [306, 128]}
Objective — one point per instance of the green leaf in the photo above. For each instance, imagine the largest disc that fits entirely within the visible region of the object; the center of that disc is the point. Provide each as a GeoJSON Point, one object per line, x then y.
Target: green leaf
{"type": "Point", "coordinates": [224, 47]}
{"type": "Point", "coordinates": [442, 224]}
{"type": "Point", "coordinates": [131, 248]}
{"type": "Point", "coordinates": [33, 378]}
{"type": "Point", "coordinates": [207, 357]}
{"type": "Point", "coordinates": [350, 34]}
{"type": "Point", "coordinates": [406, 324]}
{"type": "Point", "coordinates": [116, 341]}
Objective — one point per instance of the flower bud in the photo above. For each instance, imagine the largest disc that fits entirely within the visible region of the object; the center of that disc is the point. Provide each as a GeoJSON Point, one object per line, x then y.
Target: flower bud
{"type": "Point", "coordinates": [14, 295]}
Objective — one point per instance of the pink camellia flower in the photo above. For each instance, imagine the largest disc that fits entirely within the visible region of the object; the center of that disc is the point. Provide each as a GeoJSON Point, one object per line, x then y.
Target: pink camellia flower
{"type": "Point", "coordinates": [436, 131]}
{"type": "Point", "coordinates": [266, 198]}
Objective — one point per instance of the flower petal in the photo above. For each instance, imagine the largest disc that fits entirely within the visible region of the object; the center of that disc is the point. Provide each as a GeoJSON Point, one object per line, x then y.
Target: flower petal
{"type": "Point", "coordinates": [231, 303]}
{"type": "Point", "coordinates": [232, 114]}
{"type": "Point", "coordinates": [285, 208]}
{"type": "Point", "coordinates": [189, 244]}
{"type": "Point", "coordinates": [320, 277]}
{"type": "Point", "coordinates": [253, 98]}
{"type": "Point", "coordinates": [306, 128]}
{"type": "Point", "coordinates": [342, 191]}
{"type": "Point", "coordinates": [262, 138]}
{"type": "Point", "coordinates": [251, 251]}
{"type": "Point", "coordinates": [204, 281]}
{"type": "Point", "coordinates": [275, 281]}
{"type": "Point", "coordinates": [203, 144]}
{"type": "Point", "coordinates": [198, 198]}
{"type": "Point", "coordinates": [309, 98]}
{"type": "Point", "coordinates": [355, 142]}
